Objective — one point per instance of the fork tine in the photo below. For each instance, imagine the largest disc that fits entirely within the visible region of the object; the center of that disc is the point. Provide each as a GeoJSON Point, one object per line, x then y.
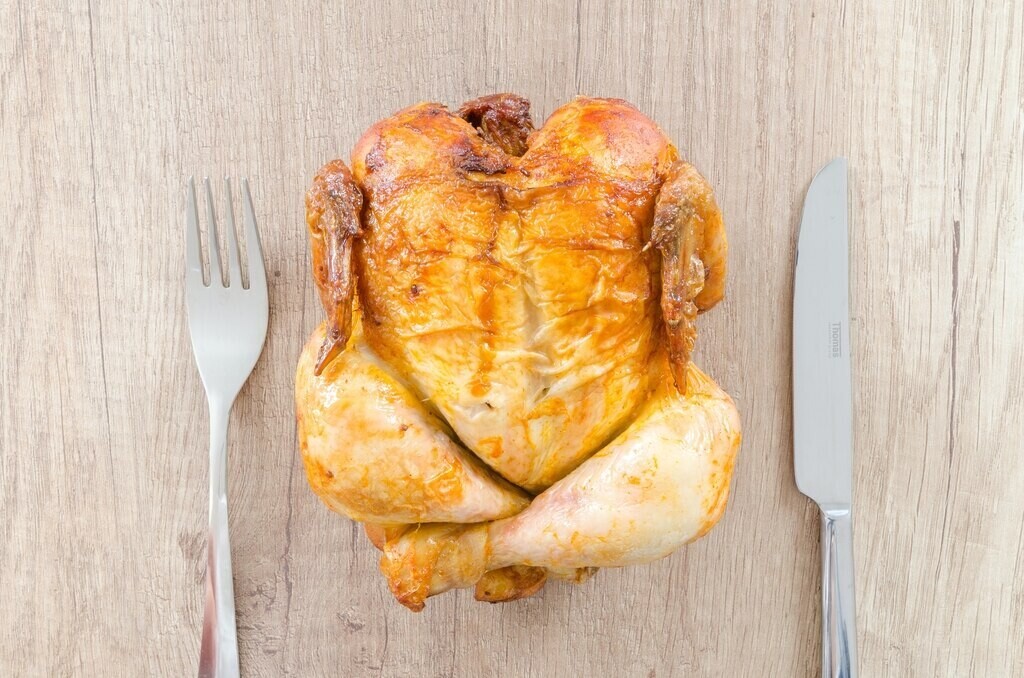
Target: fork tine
{"type": "Point", "coordinates": [254, 253]}
{"type": "Point", "coordinates": [193, 253]}
{"type": "Point", "coordinates": [234, 256]}
{"type": "Point", "coordinates": [212, 241]}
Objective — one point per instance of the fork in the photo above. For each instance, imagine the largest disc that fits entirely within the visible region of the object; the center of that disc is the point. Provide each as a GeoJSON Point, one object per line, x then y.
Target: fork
{"type": "Point", "coordinates": [228, 325]}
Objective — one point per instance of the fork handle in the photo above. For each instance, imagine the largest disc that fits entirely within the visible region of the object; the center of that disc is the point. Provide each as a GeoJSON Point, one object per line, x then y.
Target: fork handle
{"type": "Point", "coordinates": [218, 653]}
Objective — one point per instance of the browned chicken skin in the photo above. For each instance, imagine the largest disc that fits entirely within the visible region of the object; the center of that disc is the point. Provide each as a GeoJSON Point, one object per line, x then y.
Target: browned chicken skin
{"type": "Point", "coordinates": [526, 299]}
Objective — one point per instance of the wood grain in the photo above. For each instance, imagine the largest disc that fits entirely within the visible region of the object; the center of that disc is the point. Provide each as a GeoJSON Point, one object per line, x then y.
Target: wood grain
{"type": "Point", "coordinates": [107, 107]}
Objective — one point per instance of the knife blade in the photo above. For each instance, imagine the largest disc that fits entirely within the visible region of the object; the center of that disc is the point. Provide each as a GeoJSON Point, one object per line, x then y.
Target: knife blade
{"type": "Point", "coordinates": [823, 403]}
{"type": "Point", "coordinates": [822, 399]}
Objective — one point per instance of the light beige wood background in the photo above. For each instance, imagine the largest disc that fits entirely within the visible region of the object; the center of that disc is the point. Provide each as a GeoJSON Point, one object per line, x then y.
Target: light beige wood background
{"type": "Point", "coordinates": [107, 107]}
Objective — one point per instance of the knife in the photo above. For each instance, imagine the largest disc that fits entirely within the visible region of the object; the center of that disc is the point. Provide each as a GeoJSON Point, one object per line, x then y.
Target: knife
{"type": "Point", "coordinates": [822, 404]}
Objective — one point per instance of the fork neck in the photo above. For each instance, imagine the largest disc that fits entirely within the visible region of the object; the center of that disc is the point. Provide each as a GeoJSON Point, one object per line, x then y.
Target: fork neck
{"type": "Point", "coordinates": [220, 412]}
{"type": "Point", "coordinates": [219, 401]}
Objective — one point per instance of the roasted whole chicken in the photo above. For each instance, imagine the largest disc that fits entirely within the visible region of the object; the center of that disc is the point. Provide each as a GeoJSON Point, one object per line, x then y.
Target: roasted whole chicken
{"type": "Point", "coordinates": [502, 390]}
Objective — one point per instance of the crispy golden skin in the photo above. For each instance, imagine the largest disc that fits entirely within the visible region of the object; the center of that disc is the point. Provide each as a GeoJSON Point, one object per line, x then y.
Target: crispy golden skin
{"type": "Point", "coordinates": [519, 285]}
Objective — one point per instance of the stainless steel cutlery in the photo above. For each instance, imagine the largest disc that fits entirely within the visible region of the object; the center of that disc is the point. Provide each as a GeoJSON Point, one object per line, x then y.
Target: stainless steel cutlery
{"type": "Point", "coordinates": [822, 404]}
{"type": "Point", "coordinates": [228, 324]}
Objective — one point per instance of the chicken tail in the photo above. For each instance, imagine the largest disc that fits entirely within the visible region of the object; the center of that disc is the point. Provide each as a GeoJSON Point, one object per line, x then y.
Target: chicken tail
{"type": "Point", "coordinates": [502, 120]}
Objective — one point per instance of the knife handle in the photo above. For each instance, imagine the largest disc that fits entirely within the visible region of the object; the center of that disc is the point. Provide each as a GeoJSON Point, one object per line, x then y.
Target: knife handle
{"type": "Point", "coordinates": [838, 607]}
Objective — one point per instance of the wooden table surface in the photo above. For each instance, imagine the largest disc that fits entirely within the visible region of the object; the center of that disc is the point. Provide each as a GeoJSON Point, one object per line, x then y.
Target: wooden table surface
{"type": "Point", "coordinates": [106, 109]}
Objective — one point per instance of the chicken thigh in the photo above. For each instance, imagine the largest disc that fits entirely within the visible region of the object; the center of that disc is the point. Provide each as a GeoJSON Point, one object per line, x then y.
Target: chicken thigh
{"type": "Point", "coordinates": [502, 390]}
